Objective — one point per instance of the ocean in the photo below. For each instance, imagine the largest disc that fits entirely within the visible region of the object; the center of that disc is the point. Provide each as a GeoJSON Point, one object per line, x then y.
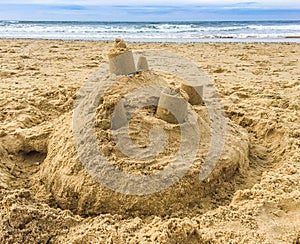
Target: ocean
{"type": "Point", "coordinates": [179, 32]}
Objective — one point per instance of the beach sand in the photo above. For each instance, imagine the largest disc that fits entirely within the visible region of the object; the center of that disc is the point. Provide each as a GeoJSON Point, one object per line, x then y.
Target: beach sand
{"type": "Point", "coordinates": [260, 88]}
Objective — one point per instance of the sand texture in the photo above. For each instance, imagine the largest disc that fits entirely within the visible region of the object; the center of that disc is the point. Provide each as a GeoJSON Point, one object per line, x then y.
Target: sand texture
{"type": "Point", "coordinates": [47, 196]}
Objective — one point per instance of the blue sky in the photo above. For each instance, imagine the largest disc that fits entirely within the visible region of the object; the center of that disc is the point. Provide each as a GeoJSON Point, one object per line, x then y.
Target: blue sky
{"type": "Point", "coordinates": [149, 10]}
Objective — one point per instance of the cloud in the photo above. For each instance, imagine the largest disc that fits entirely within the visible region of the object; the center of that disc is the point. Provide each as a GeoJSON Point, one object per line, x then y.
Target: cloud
{"type": "Point", "coordinates": [246, 3]}
{"type": "Point", "coordinates": [155, 12]}
{"type": "Point", "coordinates": [261, 3]}
{"type": "Point", "coordinates": [67, 7]}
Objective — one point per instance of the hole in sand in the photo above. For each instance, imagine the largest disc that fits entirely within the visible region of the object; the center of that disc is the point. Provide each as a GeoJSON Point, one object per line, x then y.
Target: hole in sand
{"type": "Point", "coordinates": [33, 156]}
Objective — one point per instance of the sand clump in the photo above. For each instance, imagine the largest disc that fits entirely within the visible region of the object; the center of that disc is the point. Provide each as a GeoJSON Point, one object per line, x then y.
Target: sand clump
{"type": "Point", "coordinates": [47, 196]}
{"type": "Point", "coordinates": [119, 48]}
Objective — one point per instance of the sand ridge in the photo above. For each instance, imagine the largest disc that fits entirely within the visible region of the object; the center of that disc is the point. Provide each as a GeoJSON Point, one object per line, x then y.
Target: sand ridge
{"type": "Point", "coordinates": [260, 89]}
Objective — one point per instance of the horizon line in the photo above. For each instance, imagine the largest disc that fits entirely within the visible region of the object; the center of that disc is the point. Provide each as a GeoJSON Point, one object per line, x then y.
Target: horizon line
{"type": "Point", "coordinates": [149, 21]}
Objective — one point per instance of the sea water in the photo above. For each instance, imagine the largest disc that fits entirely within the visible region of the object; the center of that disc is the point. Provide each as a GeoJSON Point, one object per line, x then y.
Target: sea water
{"type": "Point", "coordinates": [179, 32]}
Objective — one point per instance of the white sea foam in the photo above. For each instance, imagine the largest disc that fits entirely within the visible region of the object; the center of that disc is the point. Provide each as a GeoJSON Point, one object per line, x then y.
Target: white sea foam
{"type": "Point", "coordinates": [162, 32]}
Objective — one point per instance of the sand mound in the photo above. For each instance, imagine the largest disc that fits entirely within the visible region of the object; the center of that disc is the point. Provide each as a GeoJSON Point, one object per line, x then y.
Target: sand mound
{"type": "Point", "coordinates": [73, 188]}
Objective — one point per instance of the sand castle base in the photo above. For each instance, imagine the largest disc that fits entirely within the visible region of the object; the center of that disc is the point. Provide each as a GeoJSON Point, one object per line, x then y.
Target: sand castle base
{"type": "Point", "coordinates": [73, 188]}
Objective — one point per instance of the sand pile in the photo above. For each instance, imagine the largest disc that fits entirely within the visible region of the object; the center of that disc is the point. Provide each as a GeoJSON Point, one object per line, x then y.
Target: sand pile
{"type": "Point", "coordinates": [73, 188]}
{"type": "Point", "coordinates": [252, 197]}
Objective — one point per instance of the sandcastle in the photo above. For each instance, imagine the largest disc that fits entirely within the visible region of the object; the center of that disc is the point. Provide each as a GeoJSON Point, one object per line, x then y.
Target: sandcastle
{"type": "Point", "coordinates": [69, 180]}
{"type": "Point", "coordinates": [121, 62]}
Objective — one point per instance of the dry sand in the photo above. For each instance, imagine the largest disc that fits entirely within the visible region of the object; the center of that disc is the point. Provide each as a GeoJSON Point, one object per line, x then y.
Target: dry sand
{"type": "Point", "coordinates": [47, 197]}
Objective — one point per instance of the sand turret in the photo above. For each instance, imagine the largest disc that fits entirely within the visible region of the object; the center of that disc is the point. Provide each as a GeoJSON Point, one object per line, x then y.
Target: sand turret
{"type": "Point", "coordinates": [142, 64]}
{"type": "Point", "coordinates": [121, 60]}
{"type": "Point", "coordinates": [172, 108]}
{"type": "Point", "coordinates": [195, 93]}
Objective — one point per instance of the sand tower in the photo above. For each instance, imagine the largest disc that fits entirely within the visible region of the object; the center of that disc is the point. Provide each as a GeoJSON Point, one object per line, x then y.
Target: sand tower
{"type": "Point", "coordinates": [195, 93]}
{"type": "Point", "coordinates": [142, 64]}
{"type": "Point", "coordinates": [172, 108]}
{"type": "Point", "coordinates": [121, 59]}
